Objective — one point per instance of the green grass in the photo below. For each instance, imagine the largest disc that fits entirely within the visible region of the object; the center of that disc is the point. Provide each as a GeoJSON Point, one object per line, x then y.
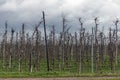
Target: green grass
{"type": "Point", "coordinates": [68, 71]}
{"type": "Point", "coordinates": [52, 74]}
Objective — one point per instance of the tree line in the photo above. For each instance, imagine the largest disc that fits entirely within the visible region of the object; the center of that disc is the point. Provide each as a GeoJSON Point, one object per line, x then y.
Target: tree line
{"type": "Point", "coordinates": [80, 52]}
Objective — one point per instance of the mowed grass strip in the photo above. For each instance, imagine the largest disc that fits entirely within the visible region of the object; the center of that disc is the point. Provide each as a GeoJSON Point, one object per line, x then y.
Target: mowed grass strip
{"type": "Point", "coordinates": [52, 74]}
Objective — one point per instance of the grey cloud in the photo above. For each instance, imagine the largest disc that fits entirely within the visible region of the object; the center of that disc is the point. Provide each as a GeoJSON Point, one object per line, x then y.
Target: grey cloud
{"type": "Point", "coordinates": [29, 12]}
{"type": "Point", "coordinates": [2, 2]}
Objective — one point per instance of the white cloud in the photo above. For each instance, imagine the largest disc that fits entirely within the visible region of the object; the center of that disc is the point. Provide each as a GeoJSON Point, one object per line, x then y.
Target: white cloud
{"type": "Point", "coordinates": [29, 11]}
{"type": "Point", "coordinates": [9, 6]}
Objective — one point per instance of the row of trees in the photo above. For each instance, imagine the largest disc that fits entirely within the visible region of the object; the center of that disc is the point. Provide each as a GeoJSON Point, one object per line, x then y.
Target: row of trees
{"type": "Point", "coordinates": [79, 52]}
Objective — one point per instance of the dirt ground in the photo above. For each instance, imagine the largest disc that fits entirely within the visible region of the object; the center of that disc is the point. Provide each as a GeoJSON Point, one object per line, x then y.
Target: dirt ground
{"type": "Point", "coordinates": [70, 78]}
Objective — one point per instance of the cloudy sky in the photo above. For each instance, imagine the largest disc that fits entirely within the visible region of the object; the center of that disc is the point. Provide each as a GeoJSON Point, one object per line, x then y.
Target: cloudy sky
{"type": "Point", "coordinates": [17, 12]}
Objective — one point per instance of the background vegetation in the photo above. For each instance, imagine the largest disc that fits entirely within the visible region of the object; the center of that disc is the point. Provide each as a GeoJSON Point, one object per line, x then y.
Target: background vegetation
{"type": "Point", "coordinates": [63, 54]}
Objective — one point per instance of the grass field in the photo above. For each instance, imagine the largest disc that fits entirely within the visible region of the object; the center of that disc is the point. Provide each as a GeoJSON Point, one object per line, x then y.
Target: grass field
{"type": "Point", "coordinates": [69, 71]}
{"type": "Point", "coordinates": [52, 74]}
